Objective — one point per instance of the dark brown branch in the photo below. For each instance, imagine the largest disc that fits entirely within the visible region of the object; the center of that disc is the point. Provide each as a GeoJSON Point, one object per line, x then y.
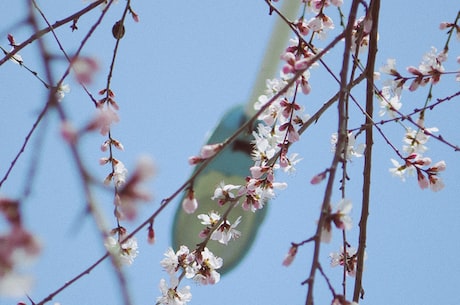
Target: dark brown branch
{"type": "Point", "coordinates": [374, 15]}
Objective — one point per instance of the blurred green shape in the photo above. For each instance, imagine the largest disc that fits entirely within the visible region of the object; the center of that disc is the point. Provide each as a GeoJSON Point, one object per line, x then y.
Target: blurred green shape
{"type": "Point", "coordinates": [233, 163]}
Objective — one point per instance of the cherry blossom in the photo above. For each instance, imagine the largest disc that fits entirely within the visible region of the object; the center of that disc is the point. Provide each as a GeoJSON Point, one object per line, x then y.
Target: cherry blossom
{"type": "Point", "coordinates": [399, 170]}
{"type": "Point", "coordinates": [182, 258]}
{"type": "Point", "coordinates": [352, 149]}
{"type": "Point", "coordinates": [224, 194]}
{"type": "Point", "coordinates": [103, 120]}
{"type": "Point", "coordinates": [389, 102]}
{"type": "Point", "coordinates": [171, 295]}
{"type": "Point", "coordinates": [360, 41]}
{"type": "Point", "coordinates": [85, 69]}
{"type": "Point", "coordinates": [426, 177]}
{"type": "Point", "coordinates": [119, 173]}
{"type": "Point", "coordinates": [266, 142]}
{"type": "Point", "coordinates": [224, 233]}
{"type": "Point", "coordinates": [346, 258]}
{"type": "Point", "coordinates": [130, 192]}
{"type": "Point", "coordinates": [415, 139]}
{"type": "Point", "coordinates": [302, 26]}
{"type": "Point", "coordinates": [124, 253]}
{"type": "Point", "coordinates": [288, 163]}
{"type": "Point", "coordinates": [390, 67]}
{"type": "Point", "coordinates": [208, 263]}
{"type": "Point", "coordinates": [61, 91]}
{"type": "Point", "coordinates": [340, 218]}
{"type": "Point", "coordinates": [429, 70]}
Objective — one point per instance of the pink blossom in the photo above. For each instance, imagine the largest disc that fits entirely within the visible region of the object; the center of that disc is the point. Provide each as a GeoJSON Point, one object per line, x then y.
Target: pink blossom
{"type": "Point", "coordinates": [69, 133]}
{"type": "Point", "coordinates": [193, 160]}
{"type": "Point", "coordinates": [438, 167]}
{"type": "Point", "coordinates": [103, 120]}
{"type": "Point", "coordinates": [190, 204]}
{"type": "Point", "coordinates": [318, 178]}
{"type": "Point", "coordinates": [207, 151]}
{"type": "Point", "coordinates": [130, 192]}
{"type": "Point", "coordinates": [85, 68]}
{"type": "Point", "coordinates": [422, 180]}
{"type": "Point", "coordinates": [302, 26]}
{"type": "Point", "coordinates": [436, 184]}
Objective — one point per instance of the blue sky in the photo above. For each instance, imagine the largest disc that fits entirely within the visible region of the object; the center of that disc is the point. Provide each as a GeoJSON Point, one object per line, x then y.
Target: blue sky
{"type": "Point", "coordinates": [180, 68]}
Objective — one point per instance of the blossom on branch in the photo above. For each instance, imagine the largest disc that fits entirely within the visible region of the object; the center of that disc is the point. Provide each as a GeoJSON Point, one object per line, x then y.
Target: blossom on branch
{"type": "Point", "coordinates": [224, 233]}
{"type": "Point", "coordinates": [208, 264]}
{"type": "Point", "coordinates": [124, 253]}
{"type": "Point", "coordinates": [340, 218]}
{"type": "Point", "coordinates": [172, 295]}
{"type": "Point", "coordinates": [352, 150]}
{"type": "Point", "coordinates": [347, 259]}
{"type": "Point", "coordinates": [224, 193]}
{"type": "Point", "coordinates": [130, 192]}
{"type": "Point", "coordinates": [190, 204]}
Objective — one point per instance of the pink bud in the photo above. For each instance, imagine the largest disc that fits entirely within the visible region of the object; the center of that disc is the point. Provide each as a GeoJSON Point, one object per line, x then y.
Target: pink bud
{"type": "Point", "coordinates": [194, 160]}
{"type": "Point", "coordinates": [68, 132]}
{"type": "Point", "coordinates": [438, 167]}
{"type": "Point", "coordinates": [190, 204]}
{"type": "Point", "coordinates": [318, 178]}
{"type": "Point", "coordinates": [290, 256]}
{"type": "Point", "coordinates": [207, 151]}
{"type": "Point", "coordinates": [151, 236]}
{"type": "Point", "coordinates": [422, 180]}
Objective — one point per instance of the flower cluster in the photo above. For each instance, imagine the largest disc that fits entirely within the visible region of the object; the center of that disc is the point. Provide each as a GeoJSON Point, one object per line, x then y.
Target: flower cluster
{"type": "Point", "coordinates": [17, 247]}
{"type": "Point", "coordinates": [415, 140]}
{"type": "Point", "coordinates": [297, 57]}
{"type": "Point", "coordinates": [224, 232]}
{"type": "Point", "coordinates": [427, 177]}
{"type": "Point", "coordinates": [321, 23]}
{"type": "Point", "coordinates": [360, 35]}
{"type": "Point", "coordinates": [429, 70]}
{"type": "Point", "coordinates": [199, 265]}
